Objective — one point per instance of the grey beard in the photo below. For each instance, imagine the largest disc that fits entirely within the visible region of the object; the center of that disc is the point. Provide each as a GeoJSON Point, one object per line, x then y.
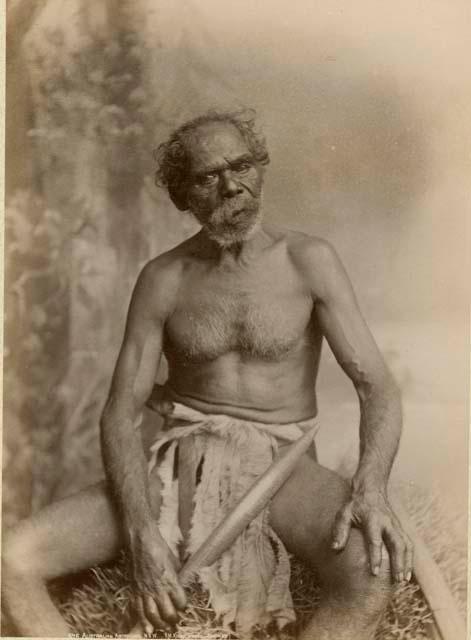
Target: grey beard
{"type": "Point", "coordinates": [225, 233]}
{"type": "Point", "coordinates": [229, 235]}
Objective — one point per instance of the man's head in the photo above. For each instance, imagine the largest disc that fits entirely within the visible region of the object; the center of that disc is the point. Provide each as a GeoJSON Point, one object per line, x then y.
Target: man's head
{"type": "Point", "coordinates": [213, 166]}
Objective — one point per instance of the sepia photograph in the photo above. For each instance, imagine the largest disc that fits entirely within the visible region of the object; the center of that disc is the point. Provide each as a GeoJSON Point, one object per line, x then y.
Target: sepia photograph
{"type": "Point", "coordinates": [236, 319]}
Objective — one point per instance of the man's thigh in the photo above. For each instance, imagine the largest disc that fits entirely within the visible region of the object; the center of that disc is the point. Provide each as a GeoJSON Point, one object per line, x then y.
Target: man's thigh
{"type": "Point", "coordinates": [66, 536]}
{"type": "Point", "coordinates": [72, 534]}
{"type": "Point", "coordinates": [302, 513]}
{"type": "Point", "coordinates": [75, 533]}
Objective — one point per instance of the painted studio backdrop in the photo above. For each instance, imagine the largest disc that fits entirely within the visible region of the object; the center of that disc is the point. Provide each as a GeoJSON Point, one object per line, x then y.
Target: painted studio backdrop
{"type": "Point", "coordinates": [366, 113]}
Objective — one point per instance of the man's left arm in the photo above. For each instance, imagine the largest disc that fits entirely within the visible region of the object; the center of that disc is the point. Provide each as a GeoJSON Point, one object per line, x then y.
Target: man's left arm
{"type": "Point", "coordinates": [355, 350]}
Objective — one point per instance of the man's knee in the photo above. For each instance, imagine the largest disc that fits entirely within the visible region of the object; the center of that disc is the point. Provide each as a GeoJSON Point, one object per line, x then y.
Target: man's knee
{"type": "Point", "coordinates": [20, 552]}
{"type": "Point", "coordinates": [349, 575]}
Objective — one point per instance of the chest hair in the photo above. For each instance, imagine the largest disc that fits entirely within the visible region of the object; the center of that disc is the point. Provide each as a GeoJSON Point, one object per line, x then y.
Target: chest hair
{"type": "Point", "coordinates": [259, 324]}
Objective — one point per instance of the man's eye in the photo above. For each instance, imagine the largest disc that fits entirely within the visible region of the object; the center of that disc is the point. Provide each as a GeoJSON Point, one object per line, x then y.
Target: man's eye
{"type": "Point", "coordinates": [242, 167]}
{"type": "Point", "coordinates": [207, 179]}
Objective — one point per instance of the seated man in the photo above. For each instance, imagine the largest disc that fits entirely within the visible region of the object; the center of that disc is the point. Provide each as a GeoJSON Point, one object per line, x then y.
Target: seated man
{"type": "Point", "coordinates": [239, 310]}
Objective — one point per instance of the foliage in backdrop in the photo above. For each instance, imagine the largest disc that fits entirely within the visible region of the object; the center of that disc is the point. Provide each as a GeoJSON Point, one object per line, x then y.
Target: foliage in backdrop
{"type": "Point", "coordinates": [79, 229]}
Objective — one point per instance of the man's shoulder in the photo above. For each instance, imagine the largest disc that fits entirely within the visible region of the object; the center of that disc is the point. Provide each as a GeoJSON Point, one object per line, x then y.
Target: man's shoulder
{"type": "Point", "coordinates": [162, 274]}
{"type": "Point", "coordinates": [314, 258]}
{"type": "Point", "coordinates": [306, 250]}
{"type": "Point", "coordinates": [170, 263]}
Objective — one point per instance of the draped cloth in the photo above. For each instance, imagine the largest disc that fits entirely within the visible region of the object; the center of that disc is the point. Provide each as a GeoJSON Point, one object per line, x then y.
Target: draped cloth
{"type": "Point", "coordinates": [206, 463]}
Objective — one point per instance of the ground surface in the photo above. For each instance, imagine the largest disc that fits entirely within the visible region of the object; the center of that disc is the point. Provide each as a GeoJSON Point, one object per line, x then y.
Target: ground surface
{"type": "Point", "coordinates": [97, 602]}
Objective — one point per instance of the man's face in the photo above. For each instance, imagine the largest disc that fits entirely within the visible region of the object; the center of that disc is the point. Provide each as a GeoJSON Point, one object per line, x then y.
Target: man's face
{"type": "Point", "coordinates": [225, 183]}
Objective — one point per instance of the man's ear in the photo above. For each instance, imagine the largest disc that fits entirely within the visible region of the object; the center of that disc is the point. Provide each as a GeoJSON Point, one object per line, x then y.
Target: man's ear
{"type": "Point", "coordinates": [178, 197]}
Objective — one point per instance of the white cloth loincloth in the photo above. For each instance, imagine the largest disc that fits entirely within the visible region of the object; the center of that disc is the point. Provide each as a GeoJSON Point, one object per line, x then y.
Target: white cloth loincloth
{"type": "Point", "coordinates": [209, 462]}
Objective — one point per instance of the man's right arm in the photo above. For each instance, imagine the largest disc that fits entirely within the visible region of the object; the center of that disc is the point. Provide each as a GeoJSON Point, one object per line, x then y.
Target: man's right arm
{"type": "Point", "coordinates": [154, 567]}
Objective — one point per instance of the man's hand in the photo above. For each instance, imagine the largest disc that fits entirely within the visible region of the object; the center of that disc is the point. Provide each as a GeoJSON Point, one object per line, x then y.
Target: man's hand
{"type": "Point", "coordinates": [157, 401]}
{"type": "Point", "coordinates": [373, 515]}
{"type": "Point", "coordinates": [158, 593]}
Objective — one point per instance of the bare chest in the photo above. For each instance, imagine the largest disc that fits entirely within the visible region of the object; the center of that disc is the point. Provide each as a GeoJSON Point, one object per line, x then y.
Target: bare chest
{"type": "Point", "coordinates": [260, 315]}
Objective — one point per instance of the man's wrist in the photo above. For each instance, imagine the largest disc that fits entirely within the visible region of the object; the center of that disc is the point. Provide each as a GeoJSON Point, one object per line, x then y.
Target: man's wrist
{"type": "Point", "coordinates": [141, 536]}
{"type": "Point", "coordinates": [369, 485]}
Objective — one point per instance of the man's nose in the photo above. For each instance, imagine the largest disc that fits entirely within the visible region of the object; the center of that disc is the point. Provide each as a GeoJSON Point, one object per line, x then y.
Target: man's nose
{"type": "Point", "coordinates": [229, 186]}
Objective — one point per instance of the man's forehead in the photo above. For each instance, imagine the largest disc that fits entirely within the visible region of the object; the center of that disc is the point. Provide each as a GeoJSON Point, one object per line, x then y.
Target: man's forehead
{"type": "Point", "coordinates": [213, 142]}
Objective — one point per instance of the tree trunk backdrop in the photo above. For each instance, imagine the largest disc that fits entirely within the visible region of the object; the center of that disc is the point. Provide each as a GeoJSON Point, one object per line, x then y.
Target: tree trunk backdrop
{"type": "Point", "coordinates": [93, 87]}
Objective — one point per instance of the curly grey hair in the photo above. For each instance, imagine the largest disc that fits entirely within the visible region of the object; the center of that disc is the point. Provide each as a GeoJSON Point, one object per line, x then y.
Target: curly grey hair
{"type": "Point", "coordinates": [172, 156]}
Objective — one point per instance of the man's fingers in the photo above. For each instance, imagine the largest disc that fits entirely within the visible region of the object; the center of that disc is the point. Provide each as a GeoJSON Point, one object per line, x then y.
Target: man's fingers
{"type": "Point", "coordinates": [397, 553]}
{"type": "Point", "coordinates": [408, 551]}
{"type": "Point", "coordinates": [166, 608]}
{"type": "Point", "coordinates": [136, 632]}
{"type": "Point", "coordinates": [341, 529]}
{"type": "Point", "coordinates": [396, 550]}
{"type": "Point", "coordinates": [153, 615]}
{"type": "Point", "coordinates": [146, 626]}
{"type": "Point", "coordinates": [375, 550]}
{"type": "Point", "coordinates": [409, 559]}
{"type": "Point", "coordinates": [157, 401]}
{"type": "Point", "coordinates": [178, 596]}
{"type": "Point", "coordinates": [375, 544]}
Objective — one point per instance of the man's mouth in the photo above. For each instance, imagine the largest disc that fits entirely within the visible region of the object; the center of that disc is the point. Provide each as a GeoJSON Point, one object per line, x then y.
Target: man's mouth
{"type": "Point", "coordinates": [241, 216]}
{"type": "Point", "coordinates": [230, 216]}
{"type": "Point", "coordinates": [238, 212]}
{"type": "Point", "coordinates": [233, 222]}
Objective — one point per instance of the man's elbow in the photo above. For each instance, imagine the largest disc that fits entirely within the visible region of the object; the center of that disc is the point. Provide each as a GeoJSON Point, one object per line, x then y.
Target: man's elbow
{"type": "Point", "coordinates": [106, 432]}
{"type": "Point", "coordinates": [106, 418]}
{"type": "Point", "coordinates": [382, 387]}
{"type": "Point", "coordinates": [120, 412]}
{"type": "Point", "coordinates": [112, 415]}
{"type": "Point", "coordinates": [390, 386]}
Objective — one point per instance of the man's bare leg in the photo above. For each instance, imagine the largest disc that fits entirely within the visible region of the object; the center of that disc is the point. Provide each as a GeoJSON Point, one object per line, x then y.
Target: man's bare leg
{"type": "Point", "coordinates": [68, 536]}
{"type": "Point", "coordinates": [302, 513]}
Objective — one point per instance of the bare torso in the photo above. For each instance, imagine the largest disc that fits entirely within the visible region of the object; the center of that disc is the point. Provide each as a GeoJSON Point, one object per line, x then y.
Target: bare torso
{"type": "Point", "coordinates": [242, 338]}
